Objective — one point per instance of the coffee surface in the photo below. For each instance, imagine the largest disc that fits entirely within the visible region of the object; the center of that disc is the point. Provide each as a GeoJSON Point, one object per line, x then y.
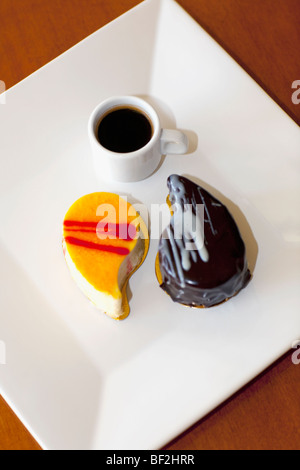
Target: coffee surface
{"type": "Point", "coordinates": [124, 130]}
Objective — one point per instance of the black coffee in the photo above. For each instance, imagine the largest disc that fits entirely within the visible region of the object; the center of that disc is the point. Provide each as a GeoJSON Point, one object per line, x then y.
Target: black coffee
{"type": "Point", "coordinates": [124, 130]}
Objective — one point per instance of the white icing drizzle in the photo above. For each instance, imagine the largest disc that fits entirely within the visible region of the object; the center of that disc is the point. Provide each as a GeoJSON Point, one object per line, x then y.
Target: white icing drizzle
{"type": "Point", "coordinates": [207, 212]}
{"type": "Point", "coordinates": [185, 256]}
{"type": "Point", "coordinates": [187, 229]}
{"type": "Point", "coordinates": [176, 256]}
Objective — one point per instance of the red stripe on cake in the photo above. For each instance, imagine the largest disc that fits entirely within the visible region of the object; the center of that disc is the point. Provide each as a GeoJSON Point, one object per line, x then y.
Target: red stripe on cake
{"type": "Point", "coordinates": [95, 246]}
{"type": "Point", "coordinates": [125, 232]}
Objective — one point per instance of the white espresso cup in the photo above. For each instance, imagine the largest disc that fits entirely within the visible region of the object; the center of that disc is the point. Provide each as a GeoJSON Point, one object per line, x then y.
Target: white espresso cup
{"type": "Point", "coordinates": [141, 162]}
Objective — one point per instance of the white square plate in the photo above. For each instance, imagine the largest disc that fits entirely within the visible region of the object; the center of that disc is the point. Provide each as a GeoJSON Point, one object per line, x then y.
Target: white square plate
{"type": "Point", "coordinates": [76, 378]}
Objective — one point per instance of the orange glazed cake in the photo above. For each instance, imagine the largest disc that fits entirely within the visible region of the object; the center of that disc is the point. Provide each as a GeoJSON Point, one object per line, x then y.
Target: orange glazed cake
{"type": "Point", "coordinates": [104, 241]}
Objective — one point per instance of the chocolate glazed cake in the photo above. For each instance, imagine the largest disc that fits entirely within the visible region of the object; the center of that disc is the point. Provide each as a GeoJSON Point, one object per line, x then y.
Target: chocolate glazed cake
{"type": "Point", "coordinates": [200, 267]}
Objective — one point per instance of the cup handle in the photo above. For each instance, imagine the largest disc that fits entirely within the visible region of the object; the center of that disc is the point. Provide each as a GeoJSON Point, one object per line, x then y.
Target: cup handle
{"type": "Point", "coordinates": [173, 142]}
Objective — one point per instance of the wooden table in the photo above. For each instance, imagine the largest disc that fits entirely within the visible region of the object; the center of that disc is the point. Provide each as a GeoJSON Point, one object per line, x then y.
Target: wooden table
{"type": "Point", "coordinates": [264, 37]}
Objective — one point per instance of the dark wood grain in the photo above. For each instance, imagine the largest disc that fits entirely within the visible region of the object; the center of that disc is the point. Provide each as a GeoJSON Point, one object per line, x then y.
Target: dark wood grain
{"type": "Point", "coordinates": [262, 416]}
{"type": "Point", "coordinates": [261, 35]}
{"type": "Point", "coordinates": [264, 37]}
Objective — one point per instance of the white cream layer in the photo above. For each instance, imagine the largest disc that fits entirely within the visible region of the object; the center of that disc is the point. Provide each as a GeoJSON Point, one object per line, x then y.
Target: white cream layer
{"type": "Point", "coordinates": [103, 301]}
